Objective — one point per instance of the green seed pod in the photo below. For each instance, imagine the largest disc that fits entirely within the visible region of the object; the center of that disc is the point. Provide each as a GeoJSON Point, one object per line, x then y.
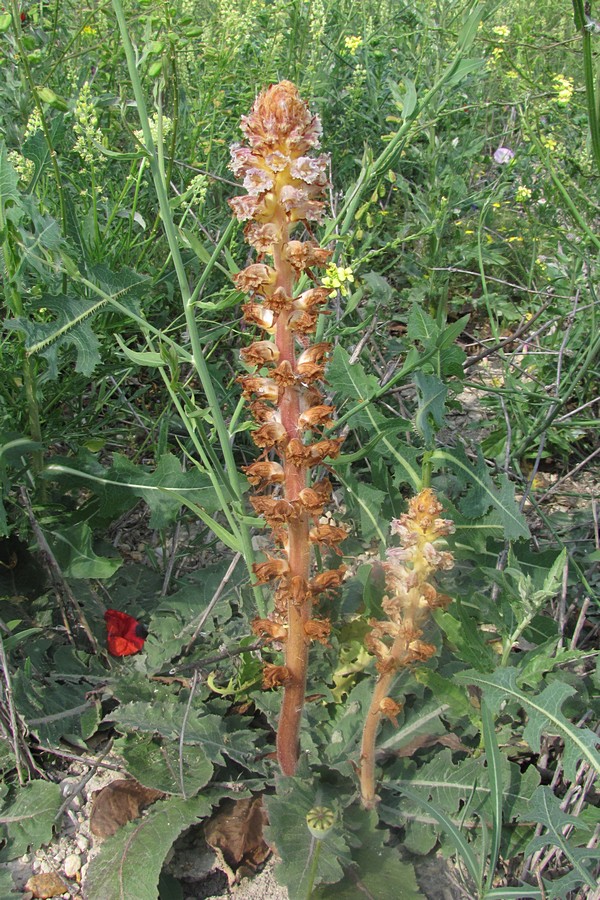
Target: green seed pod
{"type": "Point", "coordinates": [320, 820]}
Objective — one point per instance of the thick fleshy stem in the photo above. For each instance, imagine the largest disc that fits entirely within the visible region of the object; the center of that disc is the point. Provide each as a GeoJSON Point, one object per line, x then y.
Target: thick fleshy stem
{"type": "Point", "coordinates": [285, 186]}
{"type": "Point", "coordinates": [396, 642]}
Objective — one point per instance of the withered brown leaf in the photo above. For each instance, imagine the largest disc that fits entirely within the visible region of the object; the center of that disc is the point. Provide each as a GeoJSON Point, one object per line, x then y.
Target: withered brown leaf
{"type": "Point", "coordinates": [235, 833]}
{"type": "Point", "coordinates": [118, 803]}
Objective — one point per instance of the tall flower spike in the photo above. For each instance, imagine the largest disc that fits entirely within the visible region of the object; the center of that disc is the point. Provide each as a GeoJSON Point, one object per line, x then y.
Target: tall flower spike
{"type": "Point", "coordinates": [285, 186]}
{"type": "Point", "coordinates": [396, 642]}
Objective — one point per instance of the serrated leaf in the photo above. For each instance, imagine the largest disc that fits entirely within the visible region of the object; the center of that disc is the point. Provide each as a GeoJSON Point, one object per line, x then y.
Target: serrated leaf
{"type": "Point", "coordinates": [165, 489]}
{"type": "Point", "coordinates": [350, 379]}
{"type": "Point", "coordinates": [129, 863]}
{"type": "Point", "coordinates": [544, 715]}
{"type": "Point", "coordinates": [28, 821]}
{"type": "Point", "coordinates": [369, 500]}
{"type": "Point", "coordinates": [52, 710]}
{"type": "Point", "coordinates": [546, 810]}
{"type": "Point", "coordinates": [466, 640]}
{"type": "Point", "coordinates": [432, 393]}
{"type": "Point", "coordinates": [481, 492]}
{"type": "Point", "coordinates": [68, 328]}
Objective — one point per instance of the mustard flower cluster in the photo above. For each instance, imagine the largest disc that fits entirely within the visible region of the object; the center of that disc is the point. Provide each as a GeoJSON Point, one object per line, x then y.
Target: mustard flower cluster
{"type": "Point", "coordinates": [501, 33]}
{"type": "Point", "coordinates": [337, 278]}
{"type": "Point", "coordinates": [564, 90]}
{"type": "Point", "coordinates": [352, 43]}
{"type": "Point", "coordinates": [86, 126]}
{"type": "Point", "coordinates": [523, 194]}
{"type": "Point", "coordinates": [167, 128]}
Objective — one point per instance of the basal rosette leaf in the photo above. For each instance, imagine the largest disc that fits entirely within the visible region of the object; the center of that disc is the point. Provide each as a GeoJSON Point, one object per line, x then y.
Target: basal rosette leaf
{"type": "Point", "coordinates": [28, 821]}
{"type": "Point", "coordinates": [129, 863]}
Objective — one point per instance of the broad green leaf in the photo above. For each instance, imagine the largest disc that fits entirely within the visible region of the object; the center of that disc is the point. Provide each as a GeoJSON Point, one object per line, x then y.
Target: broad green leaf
{"type": "Point", "coordinates": [76, 557]}
{"type": "Point", "coordinates": [51, 709]}
{"type": "Point", "coordinates": [432, 395]}
{"type": "Point", "coordinates": [468, 32]}
{"type": "Point", "coordinates": [376, 867]}
{"type": "Point", "coordinates": [160, 765]}
{"type": "Point", "coordinates": [205, 730]}
{"type": "Point", "coordinates": [128, 864]}
{"type": "Point", "coordinates": [464, 68]}
{"type": "Point", "coordinates": [350, 379]}
{"type": "Point", "coordinates": [369, 500]}
{"type": "Point", "coordinates": [465, 638]}
{"type": "Point", "coordinates": [9, 181]}
{"type": "Point", "coordinates": [28, 822]}
{"type": "Point", "coordinates": [302, 856]}
{"type": "Point", "coordinates": [409, 101]}
{"type": "Point", "coordinates": [421, 327]}
{"type": "Point", "coordinates": [544, 715]}
{"type": "Point", "coordinates": [8, 889]}
{"type": "Point", "coordinates": [452, 331]}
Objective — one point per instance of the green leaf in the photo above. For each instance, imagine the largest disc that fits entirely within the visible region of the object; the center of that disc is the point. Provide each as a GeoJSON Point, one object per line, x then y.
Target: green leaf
{"type": "Point", "coordinates": [465, 638]}
{"type": "Point", "coordinates": [166, 719]}
{"type": "Point", "coordinates": [9, 180]}
{"type": "Point", "coordinates": [52, 709]}
{"type": "Point", "coordinates": [468, 32]}
{"type": "Point", "coordinates": [75, 556]}
{"type": "Point", "coordinates": [369, 500]}
{"type": "Point", "coordinates": [409, 101]}
{"type": "Point", "coordinates": [377, 869]}
{"type": "Point", "coordinates": [432, 395]}
{"type": "Point", "coordinates": [464, 68]}
{"type": "Point", "coordinates": [28, 822]}
{"type": "Point", "coordinates": [8, 889]}
{"type": "Point", "coordinates": [160, 765]}
{"type": "Point", "coordinates": [165, 489]}
{"type": "Point", "coordinates": [482, 494]}
{"type": "Point", "coordinates": [141, 358]}
{"type": "Point", "coordinates": [546, 810]}
{"type": "Point", "coordinates": [544, 715]}
{"type": "Point", "coordinates": [69, 328]}
{"type": "Point", "coordinates": [350, 379]}
{"type": "Point", "coordinates": [302, 856]}
{"type": "Point", "coordinates": [128, 864]}
{"type": "Point", "coordinates": [421, 327]}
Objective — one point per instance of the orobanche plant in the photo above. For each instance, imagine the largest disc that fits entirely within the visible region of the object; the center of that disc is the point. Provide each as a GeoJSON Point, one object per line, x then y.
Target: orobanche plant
{"type": "Point", "coordinates": [285, 188]}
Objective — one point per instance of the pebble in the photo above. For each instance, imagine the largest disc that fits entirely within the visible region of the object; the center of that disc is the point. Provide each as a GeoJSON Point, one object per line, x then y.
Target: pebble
{"type": "Point", "coordinates": [82, 843]}
{"type": "Point", "coordinates": [72, 865]}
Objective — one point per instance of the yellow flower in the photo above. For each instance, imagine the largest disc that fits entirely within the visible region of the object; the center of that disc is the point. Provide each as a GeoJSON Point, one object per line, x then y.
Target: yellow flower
{"type": "Point", "coordinates": [338, 278]}
{"type": "Point", "coordinates": [564, 88]}
{"type": "Point", "coordinates": [352, 43]}
{"type": "Point", "coordinates": [523, 194]}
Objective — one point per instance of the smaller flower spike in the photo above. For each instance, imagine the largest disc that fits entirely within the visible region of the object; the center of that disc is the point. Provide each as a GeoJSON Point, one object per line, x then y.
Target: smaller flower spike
{"type": "Point", "coordinates": [397, 641]}
{"type": "Point", "coordinates": [285, 183]}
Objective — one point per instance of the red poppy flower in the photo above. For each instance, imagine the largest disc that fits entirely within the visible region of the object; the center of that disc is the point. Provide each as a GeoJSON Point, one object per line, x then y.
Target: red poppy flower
{"type": "Point", "coordinates": [125, 635]}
